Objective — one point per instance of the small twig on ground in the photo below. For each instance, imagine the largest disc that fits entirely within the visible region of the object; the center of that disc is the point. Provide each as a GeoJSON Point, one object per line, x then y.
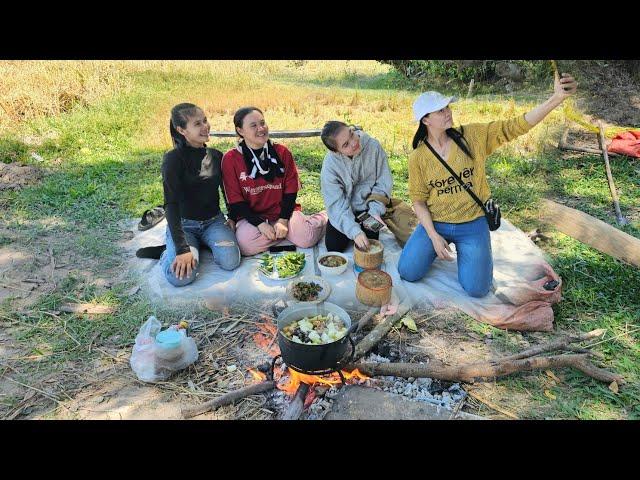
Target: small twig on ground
{"type": "Point", "coordinates": [557, 344]}
{"type": "Point", "coordinates": [612, 338]}
{"type": "Point", "coordinates": [492, 405]}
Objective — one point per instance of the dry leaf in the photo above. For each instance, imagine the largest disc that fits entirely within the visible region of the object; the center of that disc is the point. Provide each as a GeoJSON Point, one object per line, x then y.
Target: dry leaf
{"type": "Point", "coordinates": [550, 395]}
{"type": "Point", "coordinates": [550, 374]}
{"type": "Point", "coordinates": [613, 386]}
{"type": "Point", "coordinates": [410, 323]}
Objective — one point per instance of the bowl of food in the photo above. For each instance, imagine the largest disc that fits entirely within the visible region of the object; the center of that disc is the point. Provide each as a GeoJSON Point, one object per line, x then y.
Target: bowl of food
{"type": "Point", "coordinates": [333, 263]}
{"type": "Point", "coordinates": [308, 290]}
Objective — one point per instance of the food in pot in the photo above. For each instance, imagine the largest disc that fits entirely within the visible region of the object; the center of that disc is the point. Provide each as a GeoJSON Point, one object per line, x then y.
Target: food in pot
{"type": "Point", "coordinates": [318, 330]}
{"type": "Point", "coordinates": [332, 261]}
{"type": "Point", "coordinates": [306, 291]}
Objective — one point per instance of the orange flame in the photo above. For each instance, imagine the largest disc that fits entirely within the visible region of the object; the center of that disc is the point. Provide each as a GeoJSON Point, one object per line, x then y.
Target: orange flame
{"type": "Point", "coordinates": [290, 387]}
{"type": "Point", "coordinates": [266, 337]}
{"type": "Point", "coordinates": [257, 375]}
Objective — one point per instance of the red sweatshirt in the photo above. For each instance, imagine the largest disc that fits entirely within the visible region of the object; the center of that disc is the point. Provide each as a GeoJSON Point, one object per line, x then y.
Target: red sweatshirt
{"type": "Point", "coordinates": [263, 197]}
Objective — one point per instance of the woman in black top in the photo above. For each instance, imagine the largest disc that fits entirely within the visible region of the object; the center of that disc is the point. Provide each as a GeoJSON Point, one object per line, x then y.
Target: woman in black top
{"type": "Point", "coordinates": [191, 178]}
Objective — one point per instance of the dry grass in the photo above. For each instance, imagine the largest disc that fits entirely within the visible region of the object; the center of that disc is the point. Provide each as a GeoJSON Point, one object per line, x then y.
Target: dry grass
{"type": "Point", "coordinates": [32, 89]}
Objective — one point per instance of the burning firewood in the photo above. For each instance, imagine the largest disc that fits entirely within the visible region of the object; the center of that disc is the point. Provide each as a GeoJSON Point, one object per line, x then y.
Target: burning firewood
{"type": "Point", "coordinates": [296, 407]}
{"type": "Point", "coordinates": [228, 398]}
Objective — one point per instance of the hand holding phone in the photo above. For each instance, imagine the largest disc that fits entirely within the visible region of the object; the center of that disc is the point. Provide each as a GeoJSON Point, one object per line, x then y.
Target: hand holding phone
{"type": "Point", "coordinates": [369, 222]}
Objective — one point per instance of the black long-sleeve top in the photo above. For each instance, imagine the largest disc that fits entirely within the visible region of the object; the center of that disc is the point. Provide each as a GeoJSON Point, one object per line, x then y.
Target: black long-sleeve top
{"type": "Point", "coordinates": [191, 189]}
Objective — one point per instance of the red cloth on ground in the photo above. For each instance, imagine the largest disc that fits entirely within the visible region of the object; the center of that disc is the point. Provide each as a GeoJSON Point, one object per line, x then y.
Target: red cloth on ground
{"type": "Point", "coordinates": [626, 143]}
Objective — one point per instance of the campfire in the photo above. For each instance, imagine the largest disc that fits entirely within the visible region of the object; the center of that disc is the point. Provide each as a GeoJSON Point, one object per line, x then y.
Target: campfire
{"type": "Point", "coordinates": [294, 383]}
{"type": "Point", "coordinates": [300, 384]}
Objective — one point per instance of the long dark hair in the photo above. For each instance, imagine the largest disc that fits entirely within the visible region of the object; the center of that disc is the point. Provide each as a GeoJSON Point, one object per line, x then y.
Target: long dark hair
{"type": "Point", "coordinates": [452, 133]}
{"type": "Point", "coordinates": [238, 117]}
{"type": "Point", "coordinates": [180, 115]}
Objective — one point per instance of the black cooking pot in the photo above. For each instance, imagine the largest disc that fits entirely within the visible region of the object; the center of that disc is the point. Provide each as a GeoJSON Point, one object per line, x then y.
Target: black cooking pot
{"type": "Point", "coordinates": [315, 358]}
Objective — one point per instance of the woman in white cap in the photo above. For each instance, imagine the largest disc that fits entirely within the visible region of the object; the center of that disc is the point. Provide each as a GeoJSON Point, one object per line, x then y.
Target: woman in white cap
{"type": "Point", "coordinates": [446, 210]}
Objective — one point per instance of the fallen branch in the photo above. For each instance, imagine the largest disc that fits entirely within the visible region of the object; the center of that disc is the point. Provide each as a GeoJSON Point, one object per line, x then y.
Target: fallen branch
{"type": "Point", "coordinates": [86, 308]}
{"type": "Point", "coordinates": [296, 407]}
{"type": "Point", "coordinates": [228, 398]}
{"type": "Point", "coordinates": [378, 333]}
{"type": "Point", "coordinates": [555, 345]}
{"type": "Point", "coordinates": [471, 371]}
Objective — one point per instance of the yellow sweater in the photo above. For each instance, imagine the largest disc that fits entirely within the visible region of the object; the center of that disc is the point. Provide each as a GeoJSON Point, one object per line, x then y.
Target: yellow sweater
{"type": "Point", "coordinates": [431, 182]}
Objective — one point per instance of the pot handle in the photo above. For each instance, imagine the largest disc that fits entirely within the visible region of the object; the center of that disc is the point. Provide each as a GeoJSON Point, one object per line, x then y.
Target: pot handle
{"type": "Point", "coordinates": [353, 351]}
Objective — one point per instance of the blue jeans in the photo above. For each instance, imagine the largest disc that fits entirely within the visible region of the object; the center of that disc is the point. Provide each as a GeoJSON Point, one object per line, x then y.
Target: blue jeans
{"type": "Point", "coordinates": [215, 234]}
{"type": "Point", "coordinates": [473, 245]}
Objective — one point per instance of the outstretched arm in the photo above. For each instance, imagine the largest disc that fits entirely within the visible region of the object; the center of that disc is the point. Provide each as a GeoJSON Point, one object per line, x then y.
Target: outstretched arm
{"type": "Point", "coordinates": [563, 87]}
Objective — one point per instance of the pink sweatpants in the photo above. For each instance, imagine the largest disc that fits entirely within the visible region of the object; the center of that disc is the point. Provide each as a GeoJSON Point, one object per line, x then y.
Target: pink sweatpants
{"type": "Point", "coordinates": [304, 232]}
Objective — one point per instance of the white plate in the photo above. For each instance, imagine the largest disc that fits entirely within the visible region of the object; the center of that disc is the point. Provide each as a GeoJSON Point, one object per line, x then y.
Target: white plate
{"type": "Point", "coordinates": [322, 295]}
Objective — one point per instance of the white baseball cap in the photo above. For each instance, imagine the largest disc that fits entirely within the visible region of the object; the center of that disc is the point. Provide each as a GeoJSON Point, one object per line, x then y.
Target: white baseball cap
{"type": "Point", "coordinates": [430, 102]}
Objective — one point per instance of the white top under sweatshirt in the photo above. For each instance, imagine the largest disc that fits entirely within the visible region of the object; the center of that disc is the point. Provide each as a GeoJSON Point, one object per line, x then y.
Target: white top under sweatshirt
{"type": "Point", "coordinates": [347, 182]}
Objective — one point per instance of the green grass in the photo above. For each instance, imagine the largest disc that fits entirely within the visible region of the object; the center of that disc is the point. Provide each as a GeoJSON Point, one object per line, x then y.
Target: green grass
{"type": "Point", "coordinates": [103, 166]}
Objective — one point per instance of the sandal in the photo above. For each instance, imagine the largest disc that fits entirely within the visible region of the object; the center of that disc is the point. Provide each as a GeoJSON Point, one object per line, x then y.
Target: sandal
{"type": "Point", "coordinates": [150, 218]}
{"type": "Point", "coordinates": [151, 252]}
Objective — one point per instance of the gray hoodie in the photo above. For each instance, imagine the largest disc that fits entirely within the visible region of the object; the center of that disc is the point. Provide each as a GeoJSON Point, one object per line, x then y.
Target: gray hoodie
{"type": "Point", "coordinates": [346, 183]}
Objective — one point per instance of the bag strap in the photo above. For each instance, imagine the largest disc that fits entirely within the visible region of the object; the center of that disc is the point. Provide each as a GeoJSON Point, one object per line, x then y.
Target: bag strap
{"type": "Point", "coordinates": [383, 199]}
{"type": "Point", "coordinates": [466, 187]}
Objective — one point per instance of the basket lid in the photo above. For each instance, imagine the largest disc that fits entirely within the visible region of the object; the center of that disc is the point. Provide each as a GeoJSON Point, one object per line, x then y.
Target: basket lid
{"type": "Point", "coordinates": [366, 274]}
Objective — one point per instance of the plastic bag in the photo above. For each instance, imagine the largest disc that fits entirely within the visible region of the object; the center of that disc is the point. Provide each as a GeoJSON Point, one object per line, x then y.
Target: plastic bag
{"type": "Point", "coordinates": [152, 363]}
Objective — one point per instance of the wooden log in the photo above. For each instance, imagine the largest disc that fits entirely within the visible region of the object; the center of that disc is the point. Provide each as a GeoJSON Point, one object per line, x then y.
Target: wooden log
{"type": "Point", "coordinates": [591, 231]}
{"type": "Point", "coordinates": [275, 134]}
{"type": "Point", "coordinates": [378, 333]}
{"type": "Point", "coordinates": [228, 398]}
{"type": "Point", "coordinates": [472, 371]}
{"type": "Point", "coordinates": [85, 308]}
{"type": "Point", "coordinates": [614, 193]}
{"type": "Point", "coordinates": [563, 145]}
{"type": "Point", "coordinates": [296, 407]}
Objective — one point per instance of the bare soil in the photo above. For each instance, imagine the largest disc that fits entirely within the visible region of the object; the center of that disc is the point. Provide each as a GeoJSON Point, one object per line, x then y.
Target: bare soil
{"type": "Point", "coordinates": [15, 176]}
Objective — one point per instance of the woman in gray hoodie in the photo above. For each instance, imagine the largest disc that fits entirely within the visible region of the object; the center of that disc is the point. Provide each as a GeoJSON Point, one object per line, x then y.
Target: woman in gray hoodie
{"type": "Point", "coordinates": [354, 168]}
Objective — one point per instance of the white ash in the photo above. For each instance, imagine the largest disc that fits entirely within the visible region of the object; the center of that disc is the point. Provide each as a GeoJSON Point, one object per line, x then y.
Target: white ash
{"type": "Point", "coordinates": [418, 389]}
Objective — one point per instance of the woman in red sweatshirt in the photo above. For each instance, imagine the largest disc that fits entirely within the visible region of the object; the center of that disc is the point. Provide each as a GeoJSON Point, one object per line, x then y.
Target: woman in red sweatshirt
{"type": "Point", "coordinates": [261, 184]}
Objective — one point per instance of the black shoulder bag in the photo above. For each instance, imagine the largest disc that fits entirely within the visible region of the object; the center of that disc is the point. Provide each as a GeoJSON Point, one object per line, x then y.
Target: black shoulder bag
{"type": "Point", "coordinates": [490, 208]}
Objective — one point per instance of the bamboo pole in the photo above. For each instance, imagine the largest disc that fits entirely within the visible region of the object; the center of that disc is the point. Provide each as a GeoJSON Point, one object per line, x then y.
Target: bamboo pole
{"type": "Point", "coordinates": [614, 193]}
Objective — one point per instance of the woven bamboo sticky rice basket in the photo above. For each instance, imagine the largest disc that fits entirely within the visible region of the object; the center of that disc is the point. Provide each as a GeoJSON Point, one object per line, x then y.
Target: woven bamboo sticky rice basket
{"type": "Point", "coordinates": [367, 259]}
{"type": "Point", "coordinates": [373, 287]}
